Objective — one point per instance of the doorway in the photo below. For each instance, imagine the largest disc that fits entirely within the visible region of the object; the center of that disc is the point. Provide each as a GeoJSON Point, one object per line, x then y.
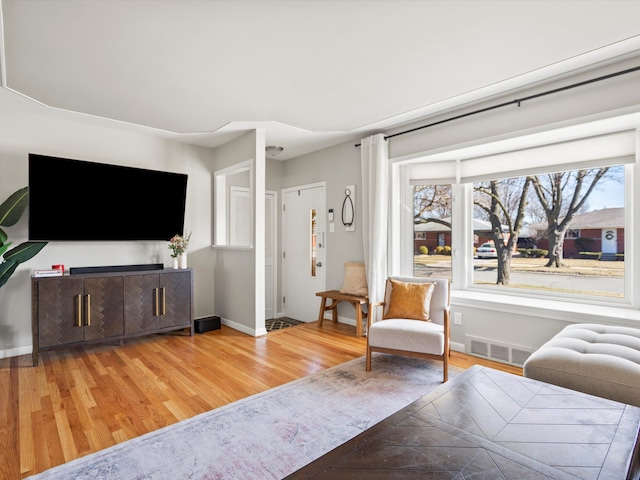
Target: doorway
{"type": "Point", "coordinates": [303, 250]}
{"type": "Point", "coordinates": [239, 234]}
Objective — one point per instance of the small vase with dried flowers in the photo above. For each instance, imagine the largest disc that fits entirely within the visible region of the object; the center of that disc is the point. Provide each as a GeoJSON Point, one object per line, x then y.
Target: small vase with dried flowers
{"type": "Point", "coordinates": [178, 246]}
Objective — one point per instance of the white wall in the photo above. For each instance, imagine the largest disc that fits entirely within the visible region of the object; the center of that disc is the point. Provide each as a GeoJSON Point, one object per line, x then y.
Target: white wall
{"type": "Point", "coordinates": [238, 286]}
{"type": "Point", "coordinates": [338, 166]}
{"type": "Point", "coordinates": [541, 113]}
{"type": "Point", "coordinates": [22, 133]}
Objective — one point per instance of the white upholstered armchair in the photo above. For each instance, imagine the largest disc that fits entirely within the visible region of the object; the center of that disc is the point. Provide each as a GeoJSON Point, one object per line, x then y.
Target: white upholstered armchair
{"type": "Point", "coordinates": [415, 320]}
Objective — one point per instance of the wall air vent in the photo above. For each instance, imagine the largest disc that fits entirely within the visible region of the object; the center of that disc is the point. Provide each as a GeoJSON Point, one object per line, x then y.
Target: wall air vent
{"type": "Point", "coordinates": [500, 353]}
{"type": "Point", "coordinates": [519, 356]}
{"type": "Point", "coordinates": [497, 351]}
{"type": "Point", "coordinates": [478, 348]}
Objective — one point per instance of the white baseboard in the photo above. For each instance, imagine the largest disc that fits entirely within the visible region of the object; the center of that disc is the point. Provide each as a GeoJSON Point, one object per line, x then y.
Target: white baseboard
{"type": "Point", "coordinates": [347, 320]}
{"type": "Point", "coordinates": [243, 328]}
{"type": "Point", "coordinates": [15, 352]}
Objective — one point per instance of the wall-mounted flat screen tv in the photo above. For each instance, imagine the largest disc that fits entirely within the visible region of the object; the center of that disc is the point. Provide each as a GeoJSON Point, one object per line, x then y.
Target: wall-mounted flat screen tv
{"type": "Point", "coordinates": [76, 200]}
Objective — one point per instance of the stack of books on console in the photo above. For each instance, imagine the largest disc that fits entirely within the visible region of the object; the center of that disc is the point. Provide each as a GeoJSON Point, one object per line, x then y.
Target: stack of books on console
{"type": "Point", "coordinates": [47, 273]}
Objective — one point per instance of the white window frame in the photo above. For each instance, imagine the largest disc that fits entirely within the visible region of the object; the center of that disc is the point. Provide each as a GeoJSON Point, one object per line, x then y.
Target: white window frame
{"type": "Point", "coordinates": [444, 166]}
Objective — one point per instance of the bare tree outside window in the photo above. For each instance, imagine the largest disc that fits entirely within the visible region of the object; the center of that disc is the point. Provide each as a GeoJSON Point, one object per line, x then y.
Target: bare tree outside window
{"type": "Point", "coordinates": [432, 230]}
{"type": "Point", "coordinates": [588, 202]}
{"type": "Point", "coordinates": [503, 203]}
{"type": "Point", "coordinates": [562, 195]}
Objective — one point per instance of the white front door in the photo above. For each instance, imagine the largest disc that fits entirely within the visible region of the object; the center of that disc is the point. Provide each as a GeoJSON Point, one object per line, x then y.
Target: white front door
{"type": "Point", "coordinates": [304, 250]}
{"type": "Point", "coordinates": [609, 240]}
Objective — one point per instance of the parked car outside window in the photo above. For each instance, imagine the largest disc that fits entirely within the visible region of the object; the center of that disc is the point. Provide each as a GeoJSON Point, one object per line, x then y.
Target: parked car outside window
{"type": "Point", "coordinates": [487, 250]}
{"type": "Point", "coordinates": [527, 243]}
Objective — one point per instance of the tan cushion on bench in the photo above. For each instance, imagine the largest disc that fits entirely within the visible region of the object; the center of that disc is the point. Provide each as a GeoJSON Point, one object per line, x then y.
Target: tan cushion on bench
{"type": "Point", "coordinates": [596, 359]}
{"type": "Point", "coordinates": [355, 280]}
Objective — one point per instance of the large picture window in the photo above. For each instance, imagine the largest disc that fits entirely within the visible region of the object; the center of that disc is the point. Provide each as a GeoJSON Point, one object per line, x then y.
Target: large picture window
{"type": "Point", "coordinates": [531, 222]}
{"type": "Point", "coordinates": [530, 216]}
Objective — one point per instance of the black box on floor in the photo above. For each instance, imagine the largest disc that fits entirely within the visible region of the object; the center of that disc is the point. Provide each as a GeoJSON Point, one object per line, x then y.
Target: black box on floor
{"type": "Point", "coordinates": [207, 324]}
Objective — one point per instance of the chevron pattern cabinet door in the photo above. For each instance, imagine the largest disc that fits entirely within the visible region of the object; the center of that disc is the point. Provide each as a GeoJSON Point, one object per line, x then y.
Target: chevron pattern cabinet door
{"type": "Point", "coordinates": [103, 308]}
{"type": "Point", "coordinates": [177, 305]}
{"type": "Point", "coordinates": [58, 311]}
{"type": "Point", "coordinates": [140, 303]}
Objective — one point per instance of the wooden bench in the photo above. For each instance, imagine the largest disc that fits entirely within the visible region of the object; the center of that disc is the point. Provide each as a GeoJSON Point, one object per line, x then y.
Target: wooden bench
{"type": "Point", "coordinates": [336, 297]}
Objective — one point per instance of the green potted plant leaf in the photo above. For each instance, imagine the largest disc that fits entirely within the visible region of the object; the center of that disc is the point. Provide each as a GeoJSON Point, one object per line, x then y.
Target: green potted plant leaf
{"type": "Point", "coordinates": [10, 212]}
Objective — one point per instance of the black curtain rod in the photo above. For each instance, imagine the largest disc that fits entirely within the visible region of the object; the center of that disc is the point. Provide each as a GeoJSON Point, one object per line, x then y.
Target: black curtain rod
{"type": "Point", "coordinates": [516, 101]}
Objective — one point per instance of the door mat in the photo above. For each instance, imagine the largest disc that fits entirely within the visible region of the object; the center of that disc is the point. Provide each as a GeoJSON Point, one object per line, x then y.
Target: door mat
{"type": "Point", "coordinates": [280, 323]}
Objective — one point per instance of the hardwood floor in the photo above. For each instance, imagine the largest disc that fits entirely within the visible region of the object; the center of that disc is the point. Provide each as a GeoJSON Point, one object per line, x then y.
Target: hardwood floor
{"type": "Point", "coordinates": [81, 400]}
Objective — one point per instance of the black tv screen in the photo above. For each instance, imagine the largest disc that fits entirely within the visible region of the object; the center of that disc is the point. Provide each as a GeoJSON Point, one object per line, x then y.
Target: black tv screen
{"type": "Point", "coordinates": [77, 200]}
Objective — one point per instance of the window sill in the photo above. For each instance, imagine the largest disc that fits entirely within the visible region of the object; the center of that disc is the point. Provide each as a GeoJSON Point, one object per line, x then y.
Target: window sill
{"type": "Point", "coordinates": [556, 310]}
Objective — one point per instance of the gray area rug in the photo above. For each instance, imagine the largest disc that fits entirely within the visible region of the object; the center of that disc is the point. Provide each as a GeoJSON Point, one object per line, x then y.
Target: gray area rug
{"type": "Point", "coordinates": [268, 435]}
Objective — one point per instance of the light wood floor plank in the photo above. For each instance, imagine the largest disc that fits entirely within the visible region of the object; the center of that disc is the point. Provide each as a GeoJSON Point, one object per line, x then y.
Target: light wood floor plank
{"type": "Point", "coordinates": [78, 401]}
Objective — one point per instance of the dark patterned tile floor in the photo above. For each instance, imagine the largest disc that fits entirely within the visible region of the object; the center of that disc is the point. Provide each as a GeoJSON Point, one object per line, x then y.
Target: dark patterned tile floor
{"type": "Point", "coordinates": [274, 324]}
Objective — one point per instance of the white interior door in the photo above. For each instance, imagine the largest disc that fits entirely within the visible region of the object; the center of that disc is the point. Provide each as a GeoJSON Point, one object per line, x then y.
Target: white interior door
{"type": "Point", "coordinates": [270, 203]}
{"type": "Point", "coordinates": [240, 231]}
{"type": "Point", "coordinates": [304, 250]}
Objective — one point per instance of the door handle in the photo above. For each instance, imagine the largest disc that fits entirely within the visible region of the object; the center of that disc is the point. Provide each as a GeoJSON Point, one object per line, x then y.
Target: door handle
{"type": "Point", "coordinates": [79, 310]}
{"type": "Point", "coordinates": [156, 309]}
{"type": "Point", "coordinates": [88, 309]}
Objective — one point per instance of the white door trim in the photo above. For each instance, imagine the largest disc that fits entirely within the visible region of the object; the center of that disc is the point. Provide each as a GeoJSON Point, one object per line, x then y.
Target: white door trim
{"type": "Point", "coordinates": [274, 243]}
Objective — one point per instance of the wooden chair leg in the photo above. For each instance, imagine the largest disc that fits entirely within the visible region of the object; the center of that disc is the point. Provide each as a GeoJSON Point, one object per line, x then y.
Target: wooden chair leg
{"type": "Point", "coordinates": [323, 303]}
{"type": "Point", "coordinates": [445, 367]}
{"type": "Point", "coordinates": [445, 358]}
{"type": "Point", "coordinates": [368, 363]}
{"type": "Point", "coordinates": [358, 319]}
{"type": "Point", "coordinates": [334, 310]}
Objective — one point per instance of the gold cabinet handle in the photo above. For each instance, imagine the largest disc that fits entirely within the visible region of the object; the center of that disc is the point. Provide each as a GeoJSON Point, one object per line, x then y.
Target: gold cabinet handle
{"type": "Point", "coordinates": [164, 301]}
{"type": "Point", "coordinates": [79, 310]}
{"type": "Point", "coordinates": [88, 309]}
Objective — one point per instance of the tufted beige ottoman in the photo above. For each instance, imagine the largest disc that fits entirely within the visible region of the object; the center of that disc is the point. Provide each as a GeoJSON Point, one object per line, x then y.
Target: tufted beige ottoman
{"type": "Point", "coordinates": [596, 359]}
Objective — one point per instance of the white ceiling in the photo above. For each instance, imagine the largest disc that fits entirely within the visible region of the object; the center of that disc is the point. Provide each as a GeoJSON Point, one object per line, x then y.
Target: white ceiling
{"type": "Point", "coordinates": [312, 73]}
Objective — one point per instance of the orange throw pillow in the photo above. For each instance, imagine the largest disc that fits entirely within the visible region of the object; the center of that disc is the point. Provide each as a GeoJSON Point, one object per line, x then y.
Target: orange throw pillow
{"type": "Point", "coordinates": [410, 300]}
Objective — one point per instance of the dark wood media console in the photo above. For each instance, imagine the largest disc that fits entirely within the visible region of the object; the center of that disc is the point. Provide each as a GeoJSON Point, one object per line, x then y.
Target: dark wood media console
{"type": "Point", "coordinates": [81, 309]}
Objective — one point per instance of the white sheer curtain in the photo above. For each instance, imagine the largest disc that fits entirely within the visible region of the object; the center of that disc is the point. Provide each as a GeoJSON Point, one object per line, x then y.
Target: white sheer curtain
{"type": "Point", "coordinates": [374, 156]}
